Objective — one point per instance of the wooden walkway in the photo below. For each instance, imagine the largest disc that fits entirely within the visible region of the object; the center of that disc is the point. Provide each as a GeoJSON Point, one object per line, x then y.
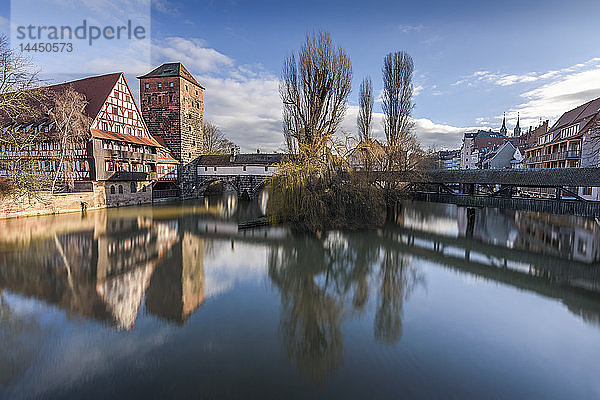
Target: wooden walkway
{"type": "Point", "coordinates": [554, 206]}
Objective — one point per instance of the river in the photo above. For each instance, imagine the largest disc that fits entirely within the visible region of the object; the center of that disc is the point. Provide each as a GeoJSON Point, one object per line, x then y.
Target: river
{"type": "Point", "coordinates": [174, 300]}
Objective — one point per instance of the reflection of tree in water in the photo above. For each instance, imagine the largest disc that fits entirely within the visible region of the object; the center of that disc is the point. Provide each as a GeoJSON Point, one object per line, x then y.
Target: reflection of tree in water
{"type": "Point", "coordinates": [311, 314]}
{"type": "Point", "coordinates": [397, 279]}
{"type": "Point", "coordinates": [323, 282]}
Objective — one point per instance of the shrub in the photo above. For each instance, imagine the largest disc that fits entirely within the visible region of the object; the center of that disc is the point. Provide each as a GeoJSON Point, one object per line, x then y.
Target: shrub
{"type": "Point", "coordinates": [312, 200]}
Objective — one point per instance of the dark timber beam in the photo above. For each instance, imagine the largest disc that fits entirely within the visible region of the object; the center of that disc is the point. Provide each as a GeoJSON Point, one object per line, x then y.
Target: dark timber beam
{"type": "Point", "coordinates": [550, 177]}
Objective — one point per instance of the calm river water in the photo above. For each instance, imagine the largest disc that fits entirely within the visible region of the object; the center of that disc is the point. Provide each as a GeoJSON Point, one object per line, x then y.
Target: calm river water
{"type": "Point", "coordinates": [175, 301]}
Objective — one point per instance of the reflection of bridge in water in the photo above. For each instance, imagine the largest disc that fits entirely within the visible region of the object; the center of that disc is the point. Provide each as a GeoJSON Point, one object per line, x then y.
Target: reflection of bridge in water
{"type": "Point", "coordinates": [576, 283]}
{"type": "Point", "coordinates": [106, 265]}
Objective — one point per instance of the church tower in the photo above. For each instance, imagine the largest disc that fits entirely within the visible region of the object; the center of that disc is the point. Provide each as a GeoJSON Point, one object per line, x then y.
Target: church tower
{"type": "Point", "coordinates": [503, 130]}
{"type": "Point", "coordinates": [517, 130]}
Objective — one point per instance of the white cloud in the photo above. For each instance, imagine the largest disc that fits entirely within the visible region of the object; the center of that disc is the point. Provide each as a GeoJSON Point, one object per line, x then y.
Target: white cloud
{"type": "Point", "coordinates": [193, 53]}
{"type": "Point", "coordinates": [504, 79]}
{"type": "Point", "coordinates": [411, 28]}
{"type": "Point", "coordinates": [551, 100]}
{"type": "Point", "coordinates": [430, 134]}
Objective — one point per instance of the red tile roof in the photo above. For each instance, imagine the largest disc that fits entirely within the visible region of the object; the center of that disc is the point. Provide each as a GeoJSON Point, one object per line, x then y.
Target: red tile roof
{"type": "Point", "coordinates": [124, 138]}
{"type": "Point", "coordinates": [95, 89]}
{"type": "Point", "coordinates": [582, 113]}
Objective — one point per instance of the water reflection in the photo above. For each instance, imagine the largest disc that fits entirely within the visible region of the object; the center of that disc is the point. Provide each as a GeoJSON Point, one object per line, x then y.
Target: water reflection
{"type": "Point", "coordinates": [325, 282]}
{"type": "Point", "coordinates": [109, 265]}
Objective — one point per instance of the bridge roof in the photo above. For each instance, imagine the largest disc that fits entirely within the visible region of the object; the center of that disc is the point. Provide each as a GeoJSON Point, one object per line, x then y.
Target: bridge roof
{"type": "Point", "coordinates": [543, 177]}
{"type": "Point", "coordinates": [226, 160]}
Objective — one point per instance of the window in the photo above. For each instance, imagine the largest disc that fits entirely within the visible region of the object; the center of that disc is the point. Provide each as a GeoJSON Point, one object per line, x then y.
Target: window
{"type": "Point", "coordinates": [143, 188]}
{"type": "Point", "coordinates": [160, 85]}
{"type": "Point", "coordinates": [105, 126]}
{"type": "Point", "coordinates": [115, 110]}
{"type": "Point", "coordinates": [109, 166]}
{"type": "Point", "coordinates": [118, 128]}
{"type": "Point", "coordinates": [133, 187]}
{"type": "Point", "coordinates": [128, 130]}
{"type": "Point", "coordinates": [196, 92]}
{"type": "Point", "coordinates": [244, 168]}
{"type": "Point", "coordinates": [215, 168]}
{"type": "Point", "coordinates": [130, 114]}
{"type": "Point", "coordinates": [587, 191]}
{"type": "Point", "coordinates": [147, 85]}
{"type": "Point", "coordinates": [266, 169]}
{"type": "Point", "coordinates": [186, 87]}
{"type": "Point", "coordinates": [112, 189]}
{"type": "Point", "coordinates": [120, 189]}
{"type": "Point", "coordinates": [171, 84]}
{"type": "Point", "coordinates": [116, 95]}
{"type": "Point", "coordinates": [171, 98]}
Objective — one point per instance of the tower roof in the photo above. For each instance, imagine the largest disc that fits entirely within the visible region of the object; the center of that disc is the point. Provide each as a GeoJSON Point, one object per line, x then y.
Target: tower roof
{"type": "Point", "coordinates": [503, 129]}
{"type": "Point", "coordinates": [171, 69]}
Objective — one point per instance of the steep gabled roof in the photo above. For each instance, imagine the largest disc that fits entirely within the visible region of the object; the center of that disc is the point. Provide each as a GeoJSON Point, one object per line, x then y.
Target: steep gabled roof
{"type": "Point", "coordinates": [582, 113]}
{"type": "Point", "coordinates": [171, 69]}
{"type": "Point", "coordinates": [95, 89]}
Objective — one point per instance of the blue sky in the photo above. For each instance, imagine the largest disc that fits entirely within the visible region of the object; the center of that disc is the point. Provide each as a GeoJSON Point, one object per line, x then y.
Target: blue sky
{"type": "Point", "coordinates": [474, 59]}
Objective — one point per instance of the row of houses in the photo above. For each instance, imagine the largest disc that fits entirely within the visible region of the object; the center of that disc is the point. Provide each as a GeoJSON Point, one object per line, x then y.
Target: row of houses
{"type": "Point", "coordinates": [133, 151]}
{"type": "Point", "coordinates": [571, 142]}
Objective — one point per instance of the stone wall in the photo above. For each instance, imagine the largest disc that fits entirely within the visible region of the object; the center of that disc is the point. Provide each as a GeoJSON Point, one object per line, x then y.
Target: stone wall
{"type": "Point", "coordinates": [46, 203]}
{"type": "Point", "coordinates": [100, 197]}
{"type": "Point", "coordinates": [120, 193]}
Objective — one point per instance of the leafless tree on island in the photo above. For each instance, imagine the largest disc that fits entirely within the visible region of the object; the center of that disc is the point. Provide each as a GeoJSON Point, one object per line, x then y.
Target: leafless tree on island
{"type": "Point", "coordinates": [314, 89]}
{"type": "Point", "coordinates": [397, 106]}
{"type": "Point", "coordinates": [364, 119]}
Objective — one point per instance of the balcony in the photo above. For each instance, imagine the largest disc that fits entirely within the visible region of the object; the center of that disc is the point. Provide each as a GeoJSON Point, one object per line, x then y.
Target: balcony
{"type": "Point", "coordinates": [126, 176]}
{"type": "Point", "coordinates": [559, 156]}
{"type": "Point", "coordinates": [124, 155]}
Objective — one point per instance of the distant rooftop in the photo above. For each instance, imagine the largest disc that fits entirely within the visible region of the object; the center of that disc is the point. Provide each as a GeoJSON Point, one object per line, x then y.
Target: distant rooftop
{"type": "Point", "coordinates": [171, 69]}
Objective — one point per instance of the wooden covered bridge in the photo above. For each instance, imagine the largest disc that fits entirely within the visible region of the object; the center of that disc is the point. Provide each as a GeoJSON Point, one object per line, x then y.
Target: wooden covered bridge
{"type": "Point", "coordinates": [557, 190]}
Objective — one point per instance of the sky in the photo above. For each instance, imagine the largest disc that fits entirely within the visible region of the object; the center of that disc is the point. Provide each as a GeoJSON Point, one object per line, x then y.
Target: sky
{"type": "Point", "coordinates": [474, 60]}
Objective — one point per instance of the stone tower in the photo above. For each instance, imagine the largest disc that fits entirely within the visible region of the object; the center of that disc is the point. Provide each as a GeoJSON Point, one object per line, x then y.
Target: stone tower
{"type": "Point", "coordinates": [173, 109]}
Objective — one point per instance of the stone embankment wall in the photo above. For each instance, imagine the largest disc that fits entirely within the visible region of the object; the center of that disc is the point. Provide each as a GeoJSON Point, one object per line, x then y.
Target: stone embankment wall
{"type": "Point", "coordinates": [102, 196]}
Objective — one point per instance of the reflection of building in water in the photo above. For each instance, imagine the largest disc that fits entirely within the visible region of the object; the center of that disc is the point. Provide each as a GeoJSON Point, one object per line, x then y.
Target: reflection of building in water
{"type": "Point", "coordinates": [101, 271]}
{"type": "Point", "coordinates": [564, 236]}
{"type": "Point", "coordinates": [177, 285]}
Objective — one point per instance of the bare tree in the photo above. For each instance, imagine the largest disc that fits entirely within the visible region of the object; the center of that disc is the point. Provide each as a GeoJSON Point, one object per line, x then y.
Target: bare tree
{"type": "Point", "coordinates": [72, 132]}
{"type": "Point", "coordinates": [20, 100]}
{"type": "Point", "coordinates": [397, 105]}
{"type": "Point", "coordinates": [314, 89]}
{"type": "Point", "coordinates": [18, 79]}
{"type": "Point", "coordinates": [365, 113]}
{"type": "Point", "coordinates": [214, 141]}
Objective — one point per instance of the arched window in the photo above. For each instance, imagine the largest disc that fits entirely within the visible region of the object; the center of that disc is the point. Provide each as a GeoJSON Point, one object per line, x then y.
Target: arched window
{"type": "Point", "coordinates": [120, 189]}
{"type": "Point", "coordinates": [143, 188]}
{"type": "Point", "coordinates": [112, 189]}
{"type": "Point", "coordinates": [133, 187]}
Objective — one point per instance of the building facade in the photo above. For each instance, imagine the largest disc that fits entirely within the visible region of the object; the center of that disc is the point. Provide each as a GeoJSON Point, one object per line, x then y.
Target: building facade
{"type": "Point", "coordinates": [572, 142]}
{"type": "Point", "coordinates": [118, 160]}
{"type": "Point", "coordinates": [173, 108]}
